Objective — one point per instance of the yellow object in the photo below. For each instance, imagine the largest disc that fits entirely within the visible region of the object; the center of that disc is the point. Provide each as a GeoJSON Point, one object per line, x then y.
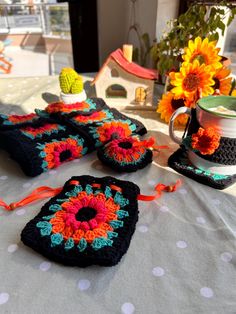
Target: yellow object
{"type": "Point", "coordinates": [222, 81]}
{"type": "Point", "coordinates": [140, 94]}
{"type": "Point", "coordinates": [204, 51]}
{"type": "Point", "coordinates": [70, 81]}
{"type": "Point", "coordinates": [167, 106]}
{"type": "Point", "coordinates": [128, 52]}
{"type": "Point", "coordinates": [191, 78]}
{"type": "Point", "coordinates": [77, 86]}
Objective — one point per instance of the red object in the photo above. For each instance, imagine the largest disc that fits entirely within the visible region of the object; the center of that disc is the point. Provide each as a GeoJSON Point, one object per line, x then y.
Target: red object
{"type": "Point", "coordinates": [37, 194]}
{"type": "Point", "coordinates": [130, 67]}
{"type": "Point", "coordinates": [159, 188]}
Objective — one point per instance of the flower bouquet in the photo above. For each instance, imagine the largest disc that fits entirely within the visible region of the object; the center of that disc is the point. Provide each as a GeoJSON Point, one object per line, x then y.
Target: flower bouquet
{"type": "Point", "coordinates": [201, 74]}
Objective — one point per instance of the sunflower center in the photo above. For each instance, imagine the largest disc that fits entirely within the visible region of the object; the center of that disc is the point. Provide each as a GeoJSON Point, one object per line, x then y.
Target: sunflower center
{"type": "Point", "coordinates": [217, 83]}
{"type": "Point", "coordinates": [125, 145]}
{"type": "Point", "coordinates": [85, 214]}
{"type": "Point", "coordinates": [191, 82]}
{"type": "Point", "coordinates": [200, 58]}
{"type": "Point", "coordinates": [177, 103]}
{"type": "Point", "coordinates": [65, 155]}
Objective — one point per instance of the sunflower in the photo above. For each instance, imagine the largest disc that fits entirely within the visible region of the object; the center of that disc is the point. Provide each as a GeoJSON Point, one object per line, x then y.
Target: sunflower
{"type": "Point", "coordinates": [167, 106]}
{"type": "Point", "coordinates": [222, 81]}
{"type": "Point", "coordinates": [191, 78]}
{"type": "Point", "coordinates": [204, 51]}
{"type": "Point", "coordinates": [233, 93]}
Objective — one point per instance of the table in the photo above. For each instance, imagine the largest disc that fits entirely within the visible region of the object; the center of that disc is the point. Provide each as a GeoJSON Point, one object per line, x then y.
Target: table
{"type": "Point", "coordinates": [181, 258]}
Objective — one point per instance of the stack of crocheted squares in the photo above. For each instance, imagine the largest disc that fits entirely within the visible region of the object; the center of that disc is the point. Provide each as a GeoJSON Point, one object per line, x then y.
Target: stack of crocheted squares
{"type": "Point", "coordinates": [62, 132]}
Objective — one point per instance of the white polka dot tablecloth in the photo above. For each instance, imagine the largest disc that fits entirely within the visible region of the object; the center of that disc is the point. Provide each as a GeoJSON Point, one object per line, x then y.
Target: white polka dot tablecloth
{"type": "Point", "coordinates": [182, 257]}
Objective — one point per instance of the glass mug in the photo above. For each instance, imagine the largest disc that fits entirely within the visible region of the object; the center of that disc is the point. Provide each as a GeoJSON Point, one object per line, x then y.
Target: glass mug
{"type": "Point", "coordinates": [218, 112]}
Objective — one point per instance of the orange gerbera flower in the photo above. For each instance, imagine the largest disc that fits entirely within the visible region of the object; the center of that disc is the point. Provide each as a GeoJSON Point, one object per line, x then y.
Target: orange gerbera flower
{"type": "Point", "coordinates": [206, 141]}
{"type": "Point", "coordinates": [204, 51]}
{"type": "Point", "coordinates": [169, 103]}
{"type": "Point", "coordinates": [191, 78]}
{"type": "Point", "coordinates": [222, 81]}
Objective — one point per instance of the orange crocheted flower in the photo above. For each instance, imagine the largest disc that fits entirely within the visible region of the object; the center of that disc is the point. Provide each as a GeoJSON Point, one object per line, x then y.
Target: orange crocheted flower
{"type": "Point", "coordinates": [206, 141]}
{"type": "Point", "coordinates": [108, 129]}
{"type": "Point", "coordinates": [96, 116]}
{"type": "Point", "coordinates": [61, 107]}
{"type": "Point", "coordinates": [22, 118]}
{"type": "Point", "coordinates": [72, 223]}
{"type": "Point", "coordinates": [61, 151]}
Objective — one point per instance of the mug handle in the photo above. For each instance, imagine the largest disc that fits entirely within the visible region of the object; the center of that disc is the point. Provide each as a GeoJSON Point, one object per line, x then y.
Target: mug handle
{"type": "Point", "coordinates": [172, 120]}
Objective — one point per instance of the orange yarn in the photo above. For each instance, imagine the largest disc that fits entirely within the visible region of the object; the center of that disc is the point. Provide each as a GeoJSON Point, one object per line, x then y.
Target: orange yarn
{"type": "Point", "coordinates": [159, 188]}
{"type": "Point", "coordinates": [206, 141]}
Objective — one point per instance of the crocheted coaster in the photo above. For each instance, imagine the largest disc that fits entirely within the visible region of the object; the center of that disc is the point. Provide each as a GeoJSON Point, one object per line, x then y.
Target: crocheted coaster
{"type": "Point", "coordinates": [125, 154]}
{"type": "Point", "coordinates": [90, 222]}
{"type": "Point", "coordinates": [179, 161]}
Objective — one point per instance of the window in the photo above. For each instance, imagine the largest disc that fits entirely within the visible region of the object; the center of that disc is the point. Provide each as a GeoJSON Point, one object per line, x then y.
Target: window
{"type": "Point", "coordinates": [140, 94]}
{"type": "Point", "coordinates": [116, 91]}
{"type": "Point", "coordinates": [114, 73]}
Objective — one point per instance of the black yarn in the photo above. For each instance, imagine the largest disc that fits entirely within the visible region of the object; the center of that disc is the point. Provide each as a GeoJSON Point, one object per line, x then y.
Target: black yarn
{"type": "Point", "coordinates": [124, 167]}
{"type": "Point", "coordinates": [225, 154]}
{"type": "Point", "coordinates": [175, 161]}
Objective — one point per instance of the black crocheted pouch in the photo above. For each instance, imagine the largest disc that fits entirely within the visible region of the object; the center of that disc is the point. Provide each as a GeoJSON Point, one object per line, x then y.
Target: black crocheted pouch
{"type": "Point", "coordinates": [91, 221]}
{"type": "Point", "coordinates": [125, 154]}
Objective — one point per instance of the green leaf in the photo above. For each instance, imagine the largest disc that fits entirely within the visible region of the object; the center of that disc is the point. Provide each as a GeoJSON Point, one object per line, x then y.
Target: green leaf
{"type": "Point", "coordinates": [233, 84]}
{"type": "Point", "coordinates": [213, 37]}
{"type": "Point", "coordinates": [146, 40]}
{"type": "Point", "coordinates": [221, 11]}
{"type": "Point", "coordinates": [221, 25]}
{"type": "Point", "coordinates": [136, 55]}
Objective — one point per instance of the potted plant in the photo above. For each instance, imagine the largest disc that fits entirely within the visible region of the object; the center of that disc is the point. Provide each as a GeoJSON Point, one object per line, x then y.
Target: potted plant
{"type": "Point", "coordinates": [72, 87]}
{"type": "Point", "coordinates": [199, 20]}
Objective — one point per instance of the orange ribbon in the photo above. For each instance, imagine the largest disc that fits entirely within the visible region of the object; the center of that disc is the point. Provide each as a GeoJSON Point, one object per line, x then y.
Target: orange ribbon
{"type": "Point", "coordinates": [45, 191]}
{"type": "Point", "coordinates": [39, 193]}
{"type": "Point", "coordinates": [159, 188]}
{"type": "Point", "coordinates": [150, 143]}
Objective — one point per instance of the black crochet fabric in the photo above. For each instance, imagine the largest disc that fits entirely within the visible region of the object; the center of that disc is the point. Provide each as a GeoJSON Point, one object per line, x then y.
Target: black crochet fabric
{"type": "Point", "coordinates": [90, 222]}
{"type": "Point", "coordinates": [225, 153]}
{"type": "Point", "coordinates": [123, 155]}
{"type": "Point", "coordinates": [179, 162]}
{"type": "Point", "coordinates": [43, 141]}
{"type": "Point", "coordinates": [226, 145]}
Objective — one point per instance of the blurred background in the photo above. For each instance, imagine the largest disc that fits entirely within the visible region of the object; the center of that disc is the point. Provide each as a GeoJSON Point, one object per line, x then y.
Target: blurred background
{"type": "Point", "coordinates": [41, 36]}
